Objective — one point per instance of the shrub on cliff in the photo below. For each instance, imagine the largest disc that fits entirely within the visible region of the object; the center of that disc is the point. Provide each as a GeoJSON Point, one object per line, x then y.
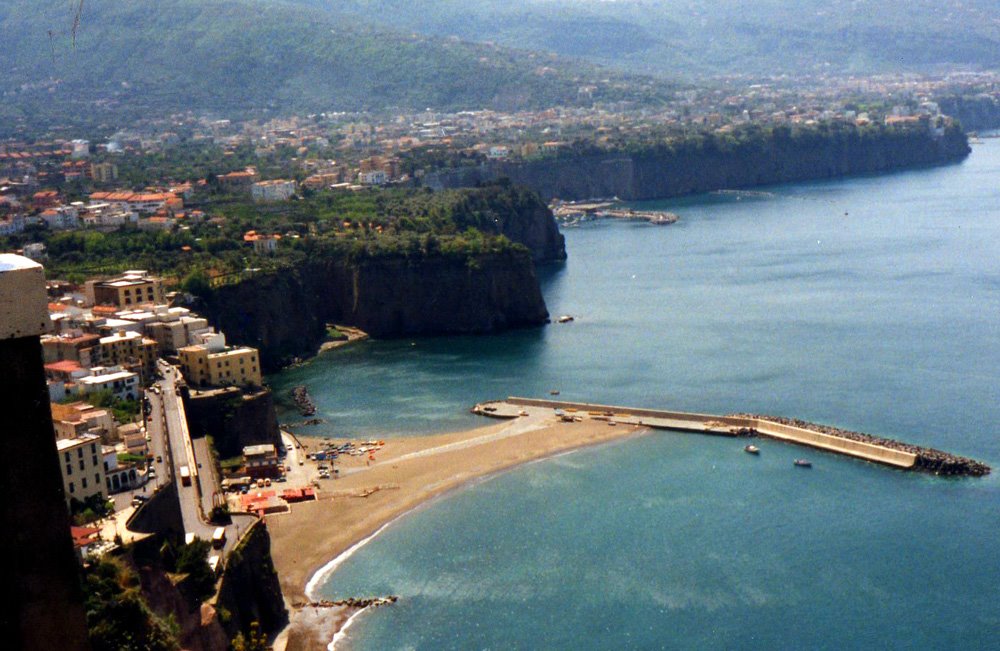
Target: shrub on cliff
{"type": "Point", "coordinates": [117, 616]}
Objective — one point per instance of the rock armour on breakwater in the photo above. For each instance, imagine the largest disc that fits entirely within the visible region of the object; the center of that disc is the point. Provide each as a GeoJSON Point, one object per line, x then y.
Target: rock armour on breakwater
{"type": "Point", "coordinates": [928, 459]}
{"type": "Point", "coordinates": [351, 602]}
{"type": "Point", "coordinates": [304, 401]}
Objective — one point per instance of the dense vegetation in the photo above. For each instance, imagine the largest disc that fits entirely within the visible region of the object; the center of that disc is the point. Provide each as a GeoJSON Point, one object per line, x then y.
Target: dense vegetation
{"type": "Point", "coordinates": [118, 616]}
{"type": "Point", "coordinates": [124, 60]}
{"type": "Point", "coordinates": [372, 223]}
{"type": "Point", "coordinates": [722, 36]}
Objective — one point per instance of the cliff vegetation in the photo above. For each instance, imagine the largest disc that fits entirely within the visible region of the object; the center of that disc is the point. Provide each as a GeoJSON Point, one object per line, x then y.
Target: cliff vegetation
{"type": "Point", "coordinates": [702, 161]}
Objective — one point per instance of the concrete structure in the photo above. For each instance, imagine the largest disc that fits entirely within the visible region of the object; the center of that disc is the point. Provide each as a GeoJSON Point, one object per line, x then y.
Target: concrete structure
{"type": "Point", "coordinates": [122, 384]}
{"type": "Point", "coordinates": [104, 172]}
{"type": "Point", "coordinates": [174, 331]}
{"type": "Point", "coordinates": [374, 177]}
{"type": "Point", "coordinates": [127, 349]}
{"type": "Point", "coordinates": [711, 424]}
{"type": "Point", "coordinates": [215, 364]}
{"type": "Point", "coordinates": [82, 463]}
{"type": "Point", "coordinates": [78, 418]}
{"type": "Point", "coordinates": [276, 190]}
{"type": "Point", "coordinates": [45, 610]}
{"type": "Point", "coordinates": [132, 288]}
{"type": "Point", "coordinates": [261, 461]}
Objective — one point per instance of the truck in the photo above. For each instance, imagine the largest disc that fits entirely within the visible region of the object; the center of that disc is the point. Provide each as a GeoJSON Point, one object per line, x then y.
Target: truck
{"type": "Point", "coordinates": [185, 475]}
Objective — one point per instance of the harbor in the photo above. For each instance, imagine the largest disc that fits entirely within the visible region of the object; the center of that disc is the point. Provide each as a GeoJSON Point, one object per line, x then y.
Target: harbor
{"type": "Point", "coordinates": [821, 437]}
{"type": "Point", "coordinates": [570, 213]}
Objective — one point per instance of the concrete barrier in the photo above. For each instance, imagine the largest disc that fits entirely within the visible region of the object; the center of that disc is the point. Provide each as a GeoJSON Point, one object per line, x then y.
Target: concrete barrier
{"type": "Point", "coordinates": [860, 449]}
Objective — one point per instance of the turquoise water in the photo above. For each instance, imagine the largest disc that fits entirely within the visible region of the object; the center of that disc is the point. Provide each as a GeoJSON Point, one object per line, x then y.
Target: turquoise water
{"type": "Point", "coordinates": [870, 303]}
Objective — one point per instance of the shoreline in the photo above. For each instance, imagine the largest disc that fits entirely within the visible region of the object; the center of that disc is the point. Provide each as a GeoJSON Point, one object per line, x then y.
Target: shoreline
{"type": "Point", "coordinates": [331, 529]}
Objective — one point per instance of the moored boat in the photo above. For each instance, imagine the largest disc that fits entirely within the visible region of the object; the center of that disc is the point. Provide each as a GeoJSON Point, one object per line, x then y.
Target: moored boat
{"type": "Point", "coordinates": [803, 463]}
{"type": "Point", "coordinates": [752, 449]}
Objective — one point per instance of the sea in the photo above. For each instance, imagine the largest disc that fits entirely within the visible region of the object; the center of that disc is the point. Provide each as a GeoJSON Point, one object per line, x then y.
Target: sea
{"type": "Point", "coordinates": [869, 303]}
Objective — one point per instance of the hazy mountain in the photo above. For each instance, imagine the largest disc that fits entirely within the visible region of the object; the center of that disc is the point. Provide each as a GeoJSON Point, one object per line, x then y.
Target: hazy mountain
{"type": "Point", "coordinates": [692, 37]}
{"type": "Point", "coordinates": [137, 56]}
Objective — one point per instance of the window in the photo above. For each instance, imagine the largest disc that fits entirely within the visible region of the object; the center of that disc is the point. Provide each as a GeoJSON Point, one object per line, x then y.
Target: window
{"type": "Point", "coordinates": [93, 448]}
{"type": "Point", "coordinates": [97, 479]}
{"type": "Point", "coordinates": [93, 461]}
{"type": "Point", "coordinates": [69, 470]}
{"type": "Point", "coordinates": [71, 488]}
{"type": "Point", "coordinates": [83, 482]}
{"type": "Point", "coordinates": [66, 455]}
{"type": "Point", "coordinates": [81, 464]}
{"type": "Point", "coordinates": [79, 453]}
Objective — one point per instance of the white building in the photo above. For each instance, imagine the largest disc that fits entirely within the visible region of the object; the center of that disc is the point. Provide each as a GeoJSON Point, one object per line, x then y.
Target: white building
{"type": "Point", "coordinates": [121, 383]}
{"type": "Point", "coordinates": [81, 149]}
{"type": "Point", "coordinates": [82, 463]}
{"type": "Point", "coordinates": [11, 225]}
{"type": "Point", "coordinates": [498, 152]}
{"type": "Point", "coordinates": [35, 251]}
{"type": "Point", "coordinates": [374, 177]}
{"type": "Point", "coordinates": [276, 190]}
{"type": "Point", "coordinates": [61, 217]}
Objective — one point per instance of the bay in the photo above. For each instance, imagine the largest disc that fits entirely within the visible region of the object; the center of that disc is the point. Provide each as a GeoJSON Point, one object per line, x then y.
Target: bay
{"type": "Point", "coordinates": [869, 303]}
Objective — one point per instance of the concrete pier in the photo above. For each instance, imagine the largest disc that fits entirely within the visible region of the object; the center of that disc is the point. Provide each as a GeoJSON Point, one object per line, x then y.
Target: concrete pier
{"type": "Point", "coordinates": [852, 444]}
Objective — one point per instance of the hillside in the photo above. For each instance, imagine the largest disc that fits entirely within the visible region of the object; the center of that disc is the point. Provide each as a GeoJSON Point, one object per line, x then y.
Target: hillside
{"type": "Point", "coordinates": [697, 37]}
{"type": "Point", "coordinates": [131, 58]}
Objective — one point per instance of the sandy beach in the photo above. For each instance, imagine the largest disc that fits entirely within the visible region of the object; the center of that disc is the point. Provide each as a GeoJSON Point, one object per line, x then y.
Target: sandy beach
{"type": "Point", "coordinates": [406, 473]}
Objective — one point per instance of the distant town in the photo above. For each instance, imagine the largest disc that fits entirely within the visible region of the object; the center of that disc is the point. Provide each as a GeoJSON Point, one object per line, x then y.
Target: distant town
{"type": "Point", "coordinates": [113, 183]}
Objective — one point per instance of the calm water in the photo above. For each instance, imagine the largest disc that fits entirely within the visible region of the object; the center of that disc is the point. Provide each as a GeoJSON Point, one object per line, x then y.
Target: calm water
{"type": "Point", "coordinates": [871, 303]}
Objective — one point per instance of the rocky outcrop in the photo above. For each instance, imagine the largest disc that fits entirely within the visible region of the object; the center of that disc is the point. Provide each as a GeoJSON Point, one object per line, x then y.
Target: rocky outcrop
{"type": "Point", "coordinates": [249, 591]}
{"type": "Point", "coordinates": [712, 164]}
{"type": "Point", "coordinates": [198, 624]}
{"type": "Point", "coordinates": [233, 418]}
{"type": "Point", "coordinates": [284, 314]}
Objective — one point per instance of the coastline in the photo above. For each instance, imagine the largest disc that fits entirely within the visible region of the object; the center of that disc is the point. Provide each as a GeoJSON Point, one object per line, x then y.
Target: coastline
{"type": "Point", "coordinates": [311, 541]}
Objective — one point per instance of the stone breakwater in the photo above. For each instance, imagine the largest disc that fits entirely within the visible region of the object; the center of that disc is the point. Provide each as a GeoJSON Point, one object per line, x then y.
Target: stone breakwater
{"type": "Point", "coordinates": [928, 459]}
{"type": "Point", "coordinates": [351, 602]}
{"type": "Point", "coordinates": [304, 401]}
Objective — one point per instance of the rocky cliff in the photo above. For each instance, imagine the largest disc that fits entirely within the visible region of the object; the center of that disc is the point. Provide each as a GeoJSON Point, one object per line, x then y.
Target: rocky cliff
{"type": "Point", "coordinates": [284, 314]}
{"type": "Point", "coordinates": [233, 418]}
{"type": "Point", "coordinates": [249, 591]}
{"type": "Point", "coordinates": [715, 162]}
{"type": "Point", "coordinates": [976, 113]}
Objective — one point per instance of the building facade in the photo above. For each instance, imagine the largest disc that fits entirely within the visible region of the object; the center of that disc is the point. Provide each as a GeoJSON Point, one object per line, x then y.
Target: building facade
{"type": "Point", "coordinates": [82, 463]}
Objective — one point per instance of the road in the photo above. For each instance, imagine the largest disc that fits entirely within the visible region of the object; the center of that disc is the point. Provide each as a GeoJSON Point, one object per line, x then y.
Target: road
{"type": "Point", "coordinates": [171, 441]}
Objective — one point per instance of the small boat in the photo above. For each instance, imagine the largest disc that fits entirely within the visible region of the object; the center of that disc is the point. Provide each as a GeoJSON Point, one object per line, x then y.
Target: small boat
{"type": "Point", "coordinates": [803, 463]}
{"type": "Point", "coordinates": [752, 449]}
{"type": "Point", "coordinates": [565, 318]}
{"type": "Point", "coordinates": [554, 392]}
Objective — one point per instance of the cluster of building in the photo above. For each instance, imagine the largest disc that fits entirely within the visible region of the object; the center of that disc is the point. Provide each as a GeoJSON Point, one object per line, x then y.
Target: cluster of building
{"type": "Point", "coordinates": [106, 337]}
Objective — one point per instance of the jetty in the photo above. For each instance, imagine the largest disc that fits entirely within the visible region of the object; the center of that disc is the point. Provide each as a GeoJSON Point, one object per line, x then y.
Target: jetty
{"type": "Point", "coordinates": [568, 211]}
{"type": "Point", "coordinates": [876, 449]}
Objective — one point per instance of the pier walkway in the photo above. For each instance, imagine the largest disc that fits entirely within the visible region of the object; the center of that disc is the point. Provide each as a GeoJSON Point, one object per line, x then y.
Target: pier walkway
{"type": "Point", "coordinates": [711, 424]}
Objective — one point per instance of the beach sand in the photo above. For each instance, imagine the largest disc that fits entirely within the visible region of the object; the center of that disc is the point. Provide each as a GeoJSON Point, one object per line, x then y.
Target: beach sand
{"type": "Point", "coordinates": [406, 473]}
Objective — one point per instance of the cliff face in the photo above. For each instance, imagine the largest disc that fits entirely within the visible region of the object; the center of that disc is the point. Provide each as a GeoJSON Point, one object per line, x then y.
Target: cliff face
{"type": "Point", "coordinates": [975, 113]}
{"type": "Point", "coordinates": [250, 591]}
{"type": "Point", "coordinates": [233, 419]}
{"type": "Point", "coordinates": [284, 314]}
{"type": "Point", "coordinates": [665, 173]}
{"type": "Point", "coordinates": [537, 230]}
